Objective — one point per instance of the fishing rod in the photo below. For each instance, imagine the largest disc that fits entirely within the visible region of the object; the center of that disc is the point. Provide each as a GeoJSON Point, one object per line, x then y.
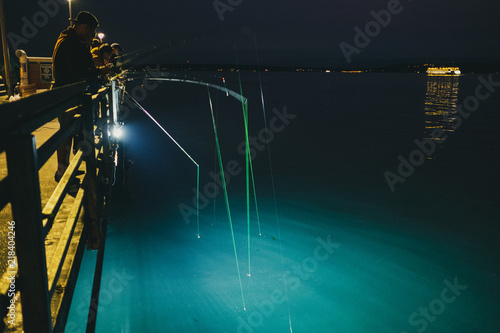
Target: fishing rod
{"type": "Point", "coordinates": [234, 94]}
{"type": "Point", "coordinates": [224, 89]}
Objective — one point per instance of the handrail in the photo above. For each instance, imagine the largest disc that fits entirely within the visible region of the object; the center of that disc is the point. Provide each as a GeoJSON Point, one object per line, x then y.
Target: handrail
{"type": "Point", "coordinates": [55, 266]}
{"type": "Point", "coordinates": [39, 59]}
{"type": "Point", "coordinates": [55, 201]}
{"type": "Point", "coordinates": [33, 122]}
{"type": "Point", "coordinates": [22, 166]}
{"type": "Point", "coordinates": [22, 189]}
{"type": "Point", "coordinates": [49, 146]}
{"type": "Point", "coordinates": [14, 112]}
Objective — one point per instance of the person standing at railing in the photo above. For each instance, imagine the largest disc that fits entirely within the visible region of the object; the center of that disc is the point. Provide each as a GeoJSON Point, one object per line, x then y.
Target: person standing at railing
{"type": "Point", "coordinates": [72, 62]}
{"type": "Point", "coordinates": [96, 42]}
{"type": "Point", "coordinates": [116, 57]}
{"type": "Point", "coordinates": [101, 57]}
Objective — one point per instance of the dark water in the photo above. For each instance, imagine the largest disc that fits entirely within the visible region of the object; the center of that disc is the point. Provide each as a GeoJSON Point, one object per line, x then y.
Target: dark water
{"type": "Point", "coordinates": [346, 252]}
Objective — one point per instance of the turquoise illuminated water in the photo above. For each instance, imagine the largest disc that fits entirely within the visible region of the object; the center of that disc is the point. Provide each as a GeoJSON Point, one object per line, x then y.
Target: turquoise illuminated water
{"type": "Point", "coordinates": [350, 254]}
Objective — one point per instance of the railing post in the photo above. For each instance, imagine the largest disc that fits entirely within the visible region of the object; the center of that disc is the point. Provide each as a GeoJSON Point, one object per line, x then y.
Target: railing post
{"type": "Point", "coordinates": [107, 124]}
{"type": "Point", "coordinates": [105, 184]}
{"type": "Point", "coordinates": [22, 163]}
{"type": "Point", "coordinates": [90, 177]}
{"type": "Point", "coordinates": [113, 102]}
{"type": "Point", "coordinates": [5, 49]}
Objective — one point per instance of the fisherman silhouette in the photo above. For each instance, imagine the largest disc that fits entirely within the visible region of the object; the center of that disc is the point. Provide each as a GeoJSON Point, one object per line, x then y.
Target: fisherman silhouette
{"type": "Point", "coordinates": [72, 62]}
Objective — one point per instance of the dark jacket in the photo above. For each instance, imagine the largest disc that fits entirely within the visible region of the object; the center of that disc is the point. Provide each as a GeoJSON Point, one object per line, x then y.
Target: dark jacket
{"type": "Point", "coordinates": [71, 60]}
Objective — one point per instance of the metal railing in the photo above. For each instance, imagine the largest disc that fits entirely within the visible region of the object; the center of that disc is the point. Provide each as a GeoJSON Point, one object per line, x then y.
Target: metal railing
{"type": "Point", "coordinates": [46, 287]}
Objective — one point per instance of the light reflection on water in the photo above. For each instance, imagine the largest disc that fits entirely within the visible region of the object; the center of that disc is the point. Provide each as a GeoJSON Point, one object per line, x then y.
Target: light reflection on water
{"type": "Point", "coordinates": [440, 101]}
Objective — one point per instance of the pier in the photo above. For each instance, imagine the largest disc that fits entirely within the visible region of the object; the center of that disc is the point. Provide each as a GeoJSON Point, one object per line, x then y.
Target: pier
{"type": "Point", "coordinates": [48, 225]}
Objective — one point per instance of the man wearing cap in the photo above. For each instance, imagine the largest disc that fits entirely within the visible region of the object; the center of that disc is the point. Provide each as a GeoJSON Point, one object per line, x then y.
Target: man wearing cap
{"type": "Point", "coordinates": [117, 49]}
{"type": "Point", "coordinates": [72, 62]}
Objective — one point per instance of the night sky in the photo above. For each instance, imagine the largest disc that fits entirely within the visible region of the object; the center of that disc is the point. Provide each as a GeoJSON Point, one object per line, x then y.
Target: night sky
{"type": "Point", "coordinates": [292, 32]}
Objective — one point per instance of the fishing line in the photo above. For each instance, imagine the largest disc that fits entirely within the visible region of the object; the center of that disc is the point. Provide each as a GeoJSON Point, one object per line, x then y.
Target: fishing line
{"type": "Point", "coordinates": [226, 198]}
{"type": "Point", "coordinates": [248, 167]}
{"type": "Point", "coordinates": [272, 183]}
{"type": "Point", "coordinates": [185, 152]}
{"type": "Point", "coordinates": [215, 150]}
{"type": "Point", "coordinates": [255, 195]}
{"type": "Point", "coordinates": [247, 171]}
{"type": "Point", "coordinates": [224, 81]}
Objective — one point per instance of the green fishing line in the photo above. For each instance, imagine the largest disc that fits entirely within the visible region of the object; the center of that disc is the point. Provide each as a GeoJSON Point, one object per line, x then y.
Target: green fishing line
{"type": "Point", "coordinates": [249, 171]}
{"type": "Point", "coordinates": [198, 200]}
{"type": "Point", "coordinates": [226, 198]}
